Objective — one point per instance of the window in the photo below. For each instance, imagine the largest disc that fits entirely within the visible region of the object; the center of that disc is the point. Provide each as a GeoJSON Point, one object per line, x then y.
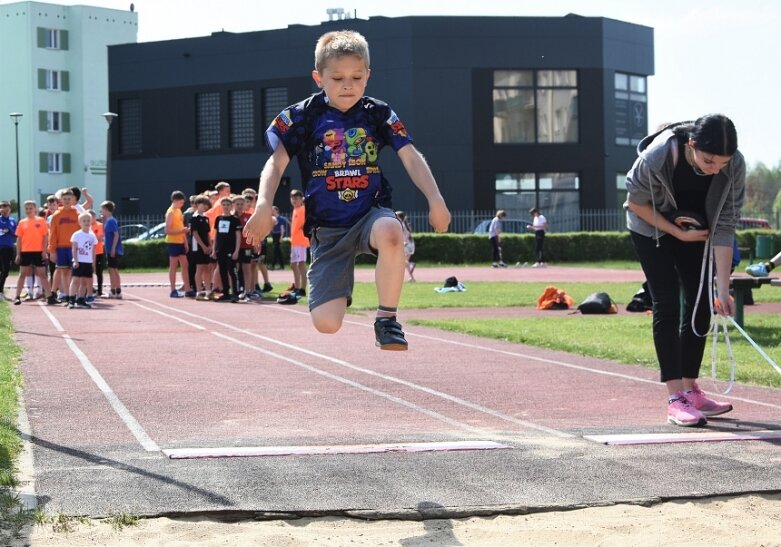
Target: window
{"type": "Point", "coordinates": [52, 38]}
{"type": "Point", "coordinates": [535, 106]}
{"type": "Point", "coordinates": [53, 80]}
{"type": "Point", "coordinates": [129, 122]}
{"type": "Point", "coordinates": [242, 118]}
{"type": "Point", "coordinates": [55, 162]}
{"type": "Point", "coordinates": [557, 195]}
{"type": "Point", "coordinates": [631, 114]}
{"type": "Point", "coordinates": [207, 121]}
{"type": "Point", "coordinates": [54, 122]}
{"type": "Point", "coordinates": [274, 101]}
{"type": "Point", "coordinates": [621, 189]}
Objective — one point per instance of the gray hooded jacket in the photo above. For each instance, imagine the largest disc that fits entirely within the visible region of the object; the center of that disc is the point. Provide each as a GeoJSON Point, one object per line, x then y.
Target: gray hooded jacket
{"type": "Point", "coordinates": [651, 181]}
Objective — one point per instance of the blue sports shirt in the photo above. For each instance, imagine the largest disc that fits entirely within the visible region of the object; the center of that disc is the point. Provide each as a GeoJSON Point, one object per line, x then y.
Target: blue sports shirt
{"type": "Point", "coordinates": [337, 153]}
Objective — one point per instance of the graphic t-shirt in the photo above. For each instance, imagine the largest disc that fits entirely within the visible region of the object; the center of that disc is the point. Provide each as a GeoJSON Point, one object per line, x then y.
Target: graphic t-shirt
{"type": "Point", "coordinates": [32, 235]}
{"type": "Point", "coordinates": [111, 231]}
{"type": "Point", "coordinates": [85, 246]}
{"type": "Point", "coordinates": [226, 227]}
{"type": "Point", "coordinates": [338, 155]}
{"type": "Point", "coordinates": [199, 224]}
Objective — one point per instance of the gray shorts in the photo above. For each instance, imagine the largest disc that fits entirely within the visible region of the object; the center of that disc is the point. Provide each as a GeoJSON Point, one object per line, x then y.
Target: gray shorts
{"type": "Point", "coordinates": [332, 272]}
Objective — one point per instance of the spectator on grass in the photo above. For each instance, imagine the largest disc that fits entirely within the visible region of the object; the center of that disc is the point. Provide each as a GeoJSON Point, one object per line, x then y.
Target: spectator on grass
{"type": "Point", "coordinates": [176, 238]}
{"type": "Point", "coordinates": [495, 237]}
{"type": "Point", "coordinates": [539, 225]}
{"type": "Point", "coordinates": [113, 247]}
{"type": "Point", "coordinates": [693, 167]}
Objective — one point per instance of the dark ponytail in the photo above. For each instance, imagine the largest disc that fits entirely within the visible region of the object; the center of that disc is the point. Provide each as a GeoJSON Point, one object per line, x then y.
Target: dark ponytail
{"type": "Point", "coordinates": [712, 133]}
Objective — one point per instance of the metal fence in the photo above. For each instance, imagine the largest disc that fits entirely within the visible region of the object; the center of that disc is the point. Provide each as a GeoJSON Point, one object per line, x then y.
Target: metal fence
{"type": "Point", "coordinates": [465, 222]}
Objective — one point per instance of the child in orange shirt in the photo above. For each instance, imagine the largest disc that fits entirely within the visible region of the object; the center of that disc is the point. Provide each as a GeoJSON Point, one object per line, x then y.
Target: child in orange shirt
{"type": "Point", "coordinates": [63, 224]}
{"type": "Point", "coordinates": [100, 256]}
{"type": "Point", "coordinates": [299, 243]}
{"type": "Point", "coordinates": [32, 241]}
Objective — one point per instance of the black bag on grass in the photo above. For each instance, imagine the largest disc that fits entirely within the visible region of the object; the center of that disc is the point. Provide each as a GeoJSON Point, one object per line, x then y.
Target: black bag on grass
{"type": "Point", "coordinates": [641, 301]}
{"type": "Point", "coordinates": [598, 302]}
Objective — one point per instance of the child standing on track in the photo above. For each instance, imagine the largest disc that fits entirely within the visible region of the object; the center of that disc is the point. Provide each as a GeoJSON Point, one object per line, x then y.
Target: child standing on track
{"type": "Point", "coordinates": [201, 247]}
{"type": "Point", "coordinates": [32, 235]}
{"type": "Point", "coordinates": [299, 243]}
{"type": "Point", "coordinates": [62, 225]}
{"type": "Point", "coordinates": [7, 237]}
{"type": "Point", "coordinates": [113, 247]}
{"type": "Point", "coordinates": [176, 238]}
{"type": "Point", "coordinates": [337, 136]}
{"type": "Point", "coordinates": [100, 256]}
{"type": "Point", "coordinates": [83, 243]}
{"type": "Point", "coordinates": [227, 241]}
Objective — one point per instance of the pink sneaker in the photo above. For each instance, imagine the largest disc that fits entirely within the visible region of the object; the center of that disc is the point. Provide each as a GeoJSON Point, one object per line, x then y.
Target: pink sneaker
{"type": "Point", "coordinates": [681, 412]}
{"type": "Point", "coordinates": [707, 407]}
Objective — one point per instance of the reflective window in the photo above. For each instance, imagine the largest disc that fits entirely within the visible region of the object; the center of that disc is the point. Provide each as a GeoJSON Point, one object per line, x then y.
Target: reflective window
{"type": "Point", "coordinates": [242, 118]}
{"type": "Point", "coordinates": [555, 194]}
{"type": "Point", "coordinates": [535, 106]}
{"type": "Point", "coordinates": [207, 108]}
{"type": "Point", "coordinates": [631, 109]}
{"type": "Point", "coordinates": [274, 101]}
{"type": "Point", "coordinates": [52, 39]}
{"type": "Point", "coordinates": [54, 122]}
{"type": "Point", "coordinates": [55, 162]}
{"type": "Point", "coordinates": [129, 121]}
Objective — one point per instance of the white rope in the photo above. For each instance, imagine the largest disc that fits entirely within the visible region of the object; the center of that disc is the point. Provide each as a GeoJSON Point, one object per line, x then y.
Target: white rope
{"type": "Point", "coordinates": [756, 346]}
{"type": "Point", "coordinates": [723, 321]}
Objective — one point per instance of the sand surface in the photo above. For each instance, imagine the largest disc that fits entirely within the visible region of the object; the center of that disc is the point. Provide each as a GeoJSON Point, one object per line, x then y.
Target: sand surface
{"type": "Point", "coordinates": [745, 520]}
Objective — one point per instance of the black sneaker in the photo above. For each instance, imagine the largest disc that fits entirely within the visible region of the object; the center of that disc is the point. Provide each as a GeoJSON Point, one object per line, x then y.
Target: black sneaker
{"type": "Point", "coordinates": [224, 298]}
{"type": "Point", "coordinates": [82, 304]}
{"type": "Point", "coordinates": [17, 301]}
{"type": "Point", "coordinates": [389, 335]}
{"type": "Point", "coordinates": [301, 292]}
{"type": "Point", "coordinates": [287, 298]}
{"type": "Point", "coordinates": [52, 300]}
{"type": "Point", "coordinates": [267, 287]}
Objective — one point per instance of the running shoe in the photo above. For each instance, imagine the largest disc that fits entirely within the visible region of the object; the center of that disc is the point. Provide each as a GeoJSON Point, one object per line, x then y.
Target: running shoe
{"type": "Point", "coordinates": [681, 412]}
{"type": "Point", "coordinates": [176, 294]}
{"type": "Point", "coordinates": [287, 298]}
{"type": "Point", "coordinates": [201, 296]}
{"type": "Point", "coordinates": [52, 300]}
{"type": "Point", "coordinates": [267, 287]}
{"type": "Point", "coordinates": [190, 294]}
{"type": "Point", "coordinates": [389, 335]}
{"type": "Point", "coordinates": [17, 301]}
{"type": "Point", "coordinates": [758, 270]}
{"type": "Point", "coordinates": [90, 299]}
{"type": "Point", "coordinates": [225, 298]}
{"type": "Point", "coordinates": [707, 407]}
{"type": "Point", "coordinates": [82, 304]}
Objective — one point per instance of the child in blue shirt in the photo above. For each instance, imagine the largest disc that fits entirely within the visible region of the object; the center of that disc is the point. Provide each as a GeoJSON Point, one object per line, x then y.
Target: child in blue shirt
{"type": "Point", "coordinates": [337, 135]}
{"type": "Point", "coordinates": [7, 240]}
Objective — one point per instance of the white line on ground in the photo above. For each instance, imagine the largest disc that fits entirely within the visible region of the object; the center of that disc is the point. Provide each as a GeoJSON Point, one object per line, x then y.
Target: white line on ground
{"type": "Point", "coordinates": [376, 392]}
{"type": "Point", "coordinates": [461, 402]}
{"type": "Point", "coordinates": [563, 364]}
{"type": "Point", "coordinates": [124, 414]}
{"type": "Point", "coordinates": [256, 451]}
{"type": "Point", "coordinates": [665, 438]}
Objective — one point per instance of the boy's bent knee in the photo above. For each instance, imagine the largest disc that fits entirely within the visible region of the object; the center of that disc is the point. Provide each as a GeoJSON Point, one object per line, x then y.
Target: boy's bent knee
{"type": "Point", "coordinates": [327, 325]}
{"type": "Point", "coordinates": [386, 232]}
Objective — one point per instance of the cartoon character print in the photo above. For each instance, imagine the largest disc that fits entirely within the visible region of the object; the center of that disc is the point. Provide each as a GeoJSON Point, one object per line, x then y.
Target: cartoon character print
{"type": "Point", "coordinates": [333, 142]}
{"type": "Point", "coordinates": [355, 138]}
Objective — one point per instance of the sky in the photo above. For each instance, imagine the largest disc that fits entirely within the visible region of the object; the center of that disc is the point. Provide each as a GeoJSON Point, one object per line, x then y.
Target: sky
{"type": "Point", "coordinates": [720, 56]}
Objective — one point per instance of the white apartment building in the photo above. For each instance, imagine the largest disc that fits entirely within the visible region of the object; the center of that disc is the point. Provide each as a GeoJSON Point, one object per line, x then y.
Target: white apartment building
{"type": "Point", "coordinates": [54, 71]}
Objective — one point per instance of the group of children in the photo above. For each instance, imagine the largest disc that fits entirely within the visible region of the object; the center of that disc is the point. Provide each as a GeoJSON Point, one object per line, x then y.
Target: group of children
{"type": "Point", "coordinates": [205, 241]}
{"type": "Point", "coordinates": [61, 247]}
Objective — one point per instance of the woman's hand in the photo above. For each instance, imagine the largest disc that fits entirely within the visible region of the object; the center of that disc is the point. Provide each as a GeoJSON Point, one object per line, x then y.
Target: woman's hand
{"type": "Point", "coordinates": [692, 236]}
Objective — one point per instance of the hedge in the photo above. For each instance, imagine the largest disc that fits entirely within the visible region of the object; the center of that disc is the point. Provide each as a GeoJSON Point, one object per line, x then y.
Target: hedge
{"type": "Point", "coordinates": [470, 248]}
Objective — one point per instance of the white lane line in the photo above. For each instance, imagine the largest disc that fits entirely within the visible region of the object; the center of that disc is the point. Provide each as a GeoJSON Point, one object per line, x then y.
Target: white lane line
{"type": "Point", "coordinates": [257, 451]}
{"type": "Point", "coordinates": [563, 364]}
{"type": "Point", "coordinates": [376, 392]}
{"type": "Point", "coordinates": [453, 399]}
{"type": "Point", "coordinates": [124, 414]}
{"type": "Point", "coordinates": [666, 438]}
{"type": "Point", "coordinates": [188, 323]}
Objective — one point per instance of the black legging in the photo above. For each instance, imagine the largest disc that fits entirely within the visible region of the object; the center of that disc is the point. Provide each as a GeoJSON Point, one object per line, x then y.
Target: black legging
{"type": "Point", "coordinates": [539, 241]}
{"type": "Point", "coordinates": [228, 269]}
{"type": "Point", "coordinates": [277, 248]}
{"type": "Point", "coordinates": [6, 257]}
{"type": "Point", "coordinates": [672, 265]}
{"type": "Point", "coordinates": [497, 249]}
{"type": "Point", "coordinates": [100, 261]}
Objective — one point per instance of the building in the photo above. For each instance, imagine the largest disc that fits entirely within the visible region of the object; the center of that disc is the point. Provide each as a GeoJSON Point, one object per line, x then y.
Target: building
{"type": "Point", "coordinates": [511, 112]}
{"type": "Point", "coordinates": [53, 62]}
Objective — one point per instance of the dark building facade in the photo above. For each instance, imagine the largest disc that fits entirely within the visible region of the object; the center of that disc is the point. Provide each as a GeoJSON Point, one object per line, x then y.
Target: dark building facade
{"type": "Point", "coordinates": [510, 112]}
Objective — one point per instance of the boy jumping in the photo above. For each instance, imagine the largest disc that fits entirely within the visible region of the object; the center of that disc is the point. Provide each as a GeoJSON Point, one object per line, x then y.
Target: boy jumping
{"type": "Point", "coordinates": [337, 135]}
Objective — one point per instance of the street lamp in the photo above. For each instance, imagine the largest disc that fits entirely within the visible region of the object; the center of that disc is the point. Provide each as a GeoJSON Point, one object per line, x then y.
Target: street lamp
{"type": "Point", "coordinates": [15, 117]}
{"type": "Point", "coordinates": [109, 118]}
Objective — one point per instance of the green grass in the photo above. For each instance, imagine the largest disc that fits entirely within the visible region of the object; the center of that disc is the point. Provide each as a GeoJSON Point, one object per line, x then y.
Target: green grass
{"type": "Point", "coordinates": [10, 380]}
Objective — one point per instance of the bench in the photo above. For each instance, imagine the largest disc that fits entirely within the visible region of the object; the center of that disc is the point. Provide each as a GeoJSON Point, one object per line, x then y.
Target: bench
{"type": "Point", "coordinates": [742, 283]}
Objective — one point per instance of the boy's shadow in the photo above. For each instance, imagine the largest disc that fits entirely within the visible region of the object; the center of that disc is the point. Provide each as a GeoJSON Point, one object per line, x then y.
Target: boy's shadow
{"type": "Point", "coordinates": [438, 530]}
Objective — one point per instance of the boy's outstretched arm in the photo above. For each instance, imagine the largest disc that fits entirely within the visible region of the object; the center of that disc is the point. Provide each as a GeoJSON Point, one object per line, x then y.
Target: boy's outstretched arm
{"type": "Point", "coordinates": [261, 221]}
{"type": "Point", "coordinates": [418, 170]}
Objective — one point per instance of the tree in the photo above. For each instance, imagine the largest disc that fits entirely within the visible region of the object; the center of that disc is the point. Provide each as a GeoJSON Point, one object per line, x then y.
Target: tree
{"type": "Point", "coordinates": [762, 188]}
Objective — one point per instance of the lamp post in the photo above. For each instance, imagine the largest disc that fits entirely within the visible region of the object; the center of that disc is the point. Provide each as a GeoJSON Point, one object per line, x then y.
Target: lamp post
{"type": "Point", "coordinates": [15, 117]}
{"type": "Point", "coordinates": [109, 118]}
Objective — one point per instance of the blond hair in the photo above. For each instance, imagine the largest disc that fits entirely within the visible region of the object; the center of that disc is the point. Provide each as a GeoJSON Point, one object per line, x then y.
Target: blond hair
{"type": "Point", "coordinates": [340, 43]}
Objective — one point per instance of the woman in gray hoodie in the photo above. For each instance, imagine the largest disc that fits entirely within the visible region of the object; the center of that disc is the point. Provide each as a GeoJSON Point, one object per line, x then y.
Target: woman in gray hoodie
{"type": "Point", "coordinates": [693, 169]}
